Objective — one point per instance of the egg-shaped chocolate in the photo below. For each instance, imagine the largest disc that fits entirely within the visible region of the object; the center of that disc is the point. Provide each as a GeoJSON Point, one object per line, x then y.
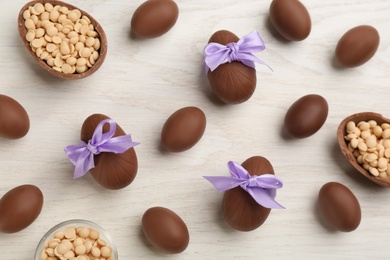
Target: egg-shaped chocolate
{"type": "Point", "coordinates": [306, 116]}
{"type": "Point", "coordinates": [154, 18]}
{"type": "Point", "coordinates": [239, 209]}
{"type": "Point", "coordinates": [233, 82]}
{"type": "Point", "coordinates": [357, 46]}
{"type": "Point", "coordinates": [183, 129]}
{"type": "Point", "coordinates": [290, 19]}
{"type": "Point", "coordinates": [165, 230]}
{"type": "Point", "coordinates": [339, 207]}
{"type": "Point", "coordinates": [14, 120]}
{"type": "Point", "coordinates": [19, 208]}
{"type": "Point", "coordinates": [112, 171]}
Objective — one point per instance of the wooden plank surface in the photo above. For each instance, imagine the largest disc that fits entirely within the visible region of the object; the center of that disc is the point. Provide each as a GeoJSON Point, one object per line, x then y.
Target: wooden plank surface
{"type": "Point", "coordinates": [142, 82]}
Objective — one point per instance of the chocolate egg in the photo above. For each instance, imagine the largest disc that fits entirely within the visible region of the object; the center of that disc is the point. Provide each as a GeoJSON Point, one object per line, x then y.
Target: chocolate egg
{"type": "Point", "coordinates": [306, 116]}
{"type": "Point", "coordinates": [165, 230]}
{"type": "Point", "coordinates": [19, 208]}
{"type": "Point", "coordinates": [112, 171]}
{"type": "Point", "coordinates": [357, 46]}
{"type": "Point", "coordinates": [239, 209]}
{"type": "Point", "coordinates": [183, 129]}
{"type": "Point", "coordinates": [339, 207]}
{"type": "Point", "coordinates": [233, 82]}
{"type": "Point", "coordinates": [14, 121]}
{"type": "Point", "coordinates": [291, 19]}
{"type": "Point", "coordinates": [153, 18]}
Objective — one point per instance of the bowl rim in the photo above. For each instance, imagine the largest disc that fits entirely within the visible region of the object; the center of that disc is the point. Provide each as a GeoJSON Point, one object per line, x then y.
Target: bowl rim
{"type": "Point", "coordinates": [71, 222]}
{"type": "Point", "coordinates": [98, 28]}
{"type": "Point", "coordinates": [341, 131]}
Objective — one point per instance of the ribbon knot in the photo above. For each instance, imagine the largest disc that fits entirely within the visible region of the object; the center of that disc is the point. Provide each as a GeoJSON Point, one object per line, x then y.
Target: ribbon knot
{"type": "Point", "coordinates": [252, 182]}
{"type": "Point", "coordinates": [82, 155]}
{"type": "Point", "coordinates": [217, 54]}
{"type": "Point", "coordinates": [92, 148]}
{"type": "Point", "coordinates": [262, 188]}
{"type": "Point", "coordinates": [234, 48]}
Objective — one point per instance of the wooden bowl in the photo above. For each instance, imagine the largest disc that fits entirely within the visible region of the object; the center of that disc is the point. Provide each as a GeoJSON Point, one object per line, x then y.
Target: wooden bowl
{"type": "Point", "coordinates": [102, 36]}
{"type": "Point", "coordinates": [341, 132]}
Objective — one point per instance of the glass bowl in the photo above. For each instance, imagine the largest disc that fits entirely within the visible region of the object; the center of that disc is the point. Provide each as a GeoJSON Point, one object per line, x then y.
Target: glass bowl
{"type": "Point", "coordinates": [75, 223]}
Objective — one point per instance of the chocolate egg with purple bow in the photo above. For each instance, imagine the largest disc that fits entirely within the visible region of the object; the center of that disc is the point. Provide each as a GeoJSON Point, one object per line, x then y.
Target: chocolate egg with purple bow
{"type": "Point", "coordinates": [234, 82]}
{"type": "Point", "coordinates": [112, 171]}
{"type": "Point", "coordinates": [239, 209]}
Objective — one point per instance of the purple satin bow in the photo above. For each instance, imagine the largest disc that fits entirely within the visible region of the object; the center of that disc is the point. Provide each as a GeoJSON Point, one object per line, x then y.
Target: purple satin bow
{"type": "Point", "coordinates": [82, 155]}
{"type": "Point", "coordinates": [217, 54]}
{"type": "Point", "coordinates": [262, 188]}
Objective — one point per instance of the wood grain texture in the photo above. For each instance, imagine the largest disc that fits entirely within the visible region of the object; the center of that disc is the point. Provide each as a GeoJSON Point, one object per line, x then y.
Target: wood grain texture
{"type": "Point", "coordinates": [142, 82]}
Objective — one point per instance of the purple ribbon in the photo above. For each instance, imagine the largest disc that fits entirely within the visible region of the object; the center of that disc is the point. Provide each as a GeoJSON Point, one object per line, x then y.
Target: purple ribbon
{"type": "Point", "coordinates": [82, 155]}
{"type": "Point", "coordinates": [262, 188]}
{"type": "Point", "coordinates": [217, 54]}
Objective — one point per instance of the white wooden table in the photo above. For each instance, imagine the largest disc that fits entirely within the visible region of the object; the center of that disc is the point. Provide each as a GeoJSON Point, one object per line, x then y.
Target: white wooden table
{"type": "Point", "coordinates": [142, 82]}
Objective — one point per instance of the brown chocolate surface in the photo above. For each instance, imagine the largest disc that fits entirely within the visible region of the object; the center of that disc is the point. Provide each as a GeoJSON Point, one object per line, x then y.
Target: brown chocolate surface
{"type": "Point", "coordinates": [154, 18]}
{"type": "Point", "coordinates": [165, 230]}
{"type": "Point", "coordinates": [306, 116]}
{"type": "Point", "coordinates": [239, 209]}
{"type": "Point", "coordinates": [183, 129]}
{"type": "Point", "coordinates": [19, 208]}
{"type": "Point", "coordinates": [112, 171]}
{"type": "Point", "coordinates": [14, 120]}
{"type": "Point", "coordinates": [357, 46]}
{"type": "Point", "coordinates": [339, 207]}
{"type": "Point", "coordinates": [223, 37]}
{"type": "Point", "coordinates": [233, 82]}
{"type": "Point", "coordinates": [291, 19]}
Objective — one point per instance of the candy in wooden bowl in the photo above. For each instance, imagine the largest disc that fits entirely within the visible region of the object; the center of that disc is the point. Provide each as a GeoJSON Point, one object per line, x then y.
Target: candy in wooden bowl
{"type": "Point", "coordinates": [364, 139]}
{"type": "Point", "coordinates": [63, 39]}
